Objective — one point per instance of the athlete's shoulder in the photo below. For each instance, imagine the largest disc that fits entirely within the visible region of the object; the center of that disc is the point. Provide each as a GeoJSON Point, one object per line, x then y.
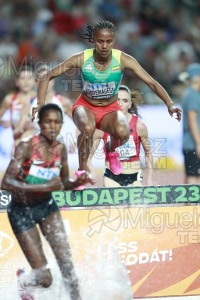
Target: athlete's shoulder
{"type": "Point", "coordinates": [117, 54]}
{"type": "Point", "coordinates": [141, 128]}
{"type": "Point", "coordinates": [135, 117]}
{"type": "Point", "coordinates": [88, 53]}
{"type": "Point", "coordinates": [133, 123]}
{"type": "Point", "coordinates": [116, 51]}
{"type": "Point", "coordinates": [75, 59]}
{"type": "Point", "coordinates": [25, 145]}
{"type": "Point", "coordinates": [30, 140]}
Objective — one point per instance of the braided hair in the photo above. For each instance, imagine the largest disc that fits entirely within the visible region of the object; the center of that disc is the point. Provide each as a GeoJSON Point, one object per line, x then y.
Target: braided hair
{"type": "Point", "coordinates": [90, 30]}
{"type": "Point", "coordinates": [136, 99]}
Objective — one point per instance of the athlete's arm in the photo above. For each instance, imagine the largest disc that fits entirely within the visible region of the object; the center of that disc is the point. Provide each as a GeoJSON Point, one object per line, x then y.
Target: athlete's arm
{"type": "Point", "coordinates": [10, 181]}
{"type": "Point", "coordinates": [20, 126]}
{"type": "Point", "coordinates": [143, 133]}
{"type": "Point", "coordinates": [3, 107]}
{"type": "Point", "coordinates": [128, 62]}
{"type": "Point", "coordinates": [72, 62]}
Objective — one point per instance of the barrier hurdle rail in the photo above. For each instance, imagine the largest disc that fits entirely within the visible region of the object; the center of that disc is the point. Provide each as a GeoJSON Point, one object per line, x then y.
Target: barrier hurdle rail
{"type": "Point", "coordinates": [155, 229]}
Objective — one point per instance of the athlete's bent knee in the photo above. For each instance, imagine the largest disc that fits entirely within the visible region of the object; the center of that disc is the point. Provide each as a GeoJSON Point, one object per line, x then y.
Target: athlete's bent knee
{"type": "Point", "coordinates": [123, 134]}
{"type": "Point", "coordinates": [87, 128]}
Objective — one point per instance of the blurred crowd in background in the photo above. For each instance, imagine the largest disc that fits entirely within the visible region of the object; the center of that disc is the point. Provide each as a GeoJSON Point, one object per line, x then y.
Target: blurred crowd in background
{"type": "Point", "coordinates": [163, 36]}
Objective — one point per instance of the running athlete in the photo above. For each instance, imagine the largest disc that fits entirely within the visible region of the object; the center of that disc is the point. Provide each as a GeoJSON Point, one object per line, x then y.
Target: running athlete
{"type": "Point", "coordinates": [13, 107]}
{"type": "Point", "coordinates": [39, 167]}
{"type": "Point", "coordinates": [18, 103]}
{"type": "Point", "coordinates": [191, 124]}
{"type": "Point", "coordinates": [97, 107]}
{"type": "Point", "coordinates": [129, 153]}
{"type": "Point", "coordinates": [68, 129]}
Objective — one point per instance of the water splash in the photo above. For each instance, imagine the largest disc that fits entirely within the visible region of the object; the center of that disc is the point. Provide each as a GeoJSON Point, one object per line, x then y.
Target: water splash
{"type": "Point", "coordinates": [105, 277]}
{"type": "Point", "coordinates": [56, 291]}
{"type": "Point", "coordinates": [98, 267]}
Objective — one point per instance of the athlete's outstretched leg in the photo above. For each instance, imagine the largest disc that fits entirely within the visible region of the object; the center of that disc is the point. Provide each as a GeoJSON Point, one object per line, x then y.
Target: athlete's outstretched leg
{"type": "Point", "coordinates": [31, 245]}
{"type": "Point", "coordinates": [85, 121]}
{"type": "Point", "coordinates": [53, 229]}
{"type": "Point", "coordinates": [116, 125]}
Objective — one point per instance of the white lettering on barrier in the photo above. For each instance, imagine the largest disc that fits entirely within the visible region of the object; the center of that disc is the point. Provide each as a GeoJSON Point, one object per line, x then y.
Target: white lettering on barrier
{"type": "Point", "coordinates": [126, 251]}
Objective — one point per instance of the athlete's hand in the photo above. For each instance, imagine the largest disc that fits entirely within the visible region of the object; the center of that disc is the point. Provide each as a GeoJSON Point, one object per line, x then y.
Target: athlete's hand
{"type": "Point", "coordinates": [175, 110]}
{"type": "Point", "coordinates": [85, 178]}
{"type": "Point", "coordinates": [34, 112]}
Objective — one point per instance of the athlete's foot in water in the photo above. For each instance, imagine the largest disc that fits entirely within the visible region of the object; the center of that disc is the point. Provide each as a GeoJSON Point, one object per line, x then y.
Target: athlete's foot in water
{"type": "Point", "coordinates": [23, 286]}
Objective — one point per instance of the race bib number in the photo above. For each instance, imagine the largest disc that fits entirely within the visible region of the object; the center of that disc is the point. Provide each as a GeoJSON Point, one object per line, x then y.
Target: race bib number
{"type": "Point", "coordinates": [45, 174]}
{"type": "Point", "coordinates": [99, 90]}
{"type": "Point", "coordinates": [127, 150]}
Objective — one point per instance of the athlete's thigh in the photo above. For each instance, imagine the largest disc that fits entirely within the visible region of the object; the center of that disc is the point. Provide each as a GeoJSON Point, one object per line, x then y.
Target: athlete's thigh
{"type": "Point", "coordinates": [31, 244]}
{"type": "Point", "coordinates": [107, 182]}
{"type": "Point", "coordinates": [83, 116]}
{"type": "Point", "coordinates": [112, 121]}
{"type": "Point", "coordinates": [54, 231]}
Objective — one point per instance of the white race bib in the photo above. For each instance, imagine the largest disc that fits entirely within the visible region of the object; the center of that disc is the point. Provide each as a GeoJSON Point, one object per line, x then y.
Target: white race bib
{"type": "Point", "coordinates": [44, 173]}
{"type": "Point", "coordinates": [127, 150]}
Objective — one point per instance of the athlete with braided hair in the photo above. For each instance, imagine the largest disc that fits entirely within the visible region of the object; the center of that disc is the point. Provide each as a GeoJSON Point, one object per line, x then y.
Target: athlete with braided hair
{"type": "Point", "coordinates": [102, 69]}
